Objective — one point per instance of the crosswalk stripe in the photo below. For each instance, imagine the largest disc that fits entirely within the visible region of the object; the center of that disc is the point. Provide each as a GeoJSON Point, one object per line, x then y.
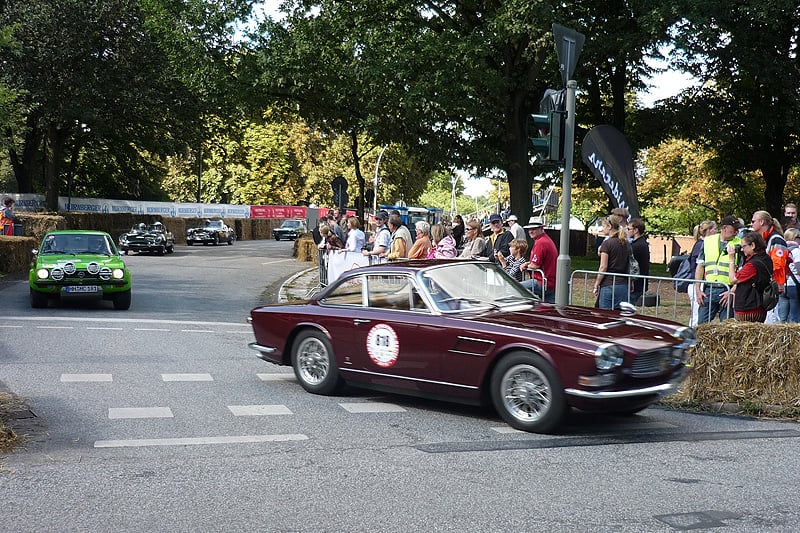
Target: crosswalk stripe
{"type": "Point", "coordinates": [186, 377]}
{"type": "Point", "coordinates": [190, 441]}
{"type": "Point", "coordinates": [372, 407]}
{"type": "Point", "coordinates": [139, 412]}
{"type": "Point", "coordinates": [83, 378]}
{"type": "Point", "coordinates": [259, 410]}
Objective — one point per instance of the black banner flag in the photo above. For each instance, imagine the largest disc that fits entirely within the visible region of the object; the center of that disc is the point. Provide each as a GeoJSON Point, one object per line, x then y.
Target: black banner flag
{"type": "Point", "coordinates": [608, 155]}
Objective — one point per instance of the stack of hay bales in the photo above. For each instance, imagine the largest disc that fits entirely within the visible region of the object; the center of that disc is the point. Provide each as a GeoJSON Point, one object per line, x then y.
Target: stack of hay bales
{"type": "Point", "coordinates": [753, 366]}
{"type": "Point", "coordinates": [305, 249]}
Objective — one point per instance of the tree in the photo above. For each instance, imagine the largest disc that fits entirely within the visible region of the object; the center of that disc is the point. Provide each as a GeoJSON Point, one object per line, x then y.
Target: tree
{"type": "Point", "coordinates": [122, 76]}
{"type": "Point", "coordinates": [748, 109]}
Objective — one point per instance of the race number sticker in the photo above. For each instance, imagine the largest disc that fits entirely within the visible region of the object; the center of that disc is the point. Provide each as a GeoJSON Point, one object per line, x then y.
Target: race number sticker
{"type": "Point", "coordinates": [382, 345]}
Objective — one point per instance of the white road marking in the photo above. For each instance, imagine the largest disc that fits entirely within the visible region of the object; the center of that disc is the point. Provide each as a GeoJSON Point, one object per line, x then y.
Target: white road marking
{"type": "Point", "coordinates": [507, 429]}
{"type": "Point", "coordinates": [277, 261]}
{"type": "Point", "coordinates": [243, 324]}
{"type": "Point", "coordinates": [109, 329]}
{"type": "Point", "coordinates": [83, 378]}
{"type": "Point", "coordinates": [55, 327]}
{"type": "Point", "coordinates": [372, 407]}
{"type": "Point", "coordinates": [197, 331]}
{"type": "Point", "coordinates": [150, 329]}
{"type": "Point", "coordinates": [276, 377]}
{"type": "Point", "coordinates": [1, 326]}
{"type": "Point", "coordinates": [186, 377]}
{"type": "Point", "coordinates": [259, 410]}
{"type": "Point", "coordinates": [190, 441]}
{"type": "Point", "coordinates": [139, 412]}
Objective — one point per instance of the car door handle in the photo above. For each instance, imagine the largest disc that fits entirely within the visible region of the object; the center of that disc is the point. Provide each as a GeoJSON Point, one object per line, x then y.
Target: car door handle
{"type": "Point", "coordinates": [357, 321]}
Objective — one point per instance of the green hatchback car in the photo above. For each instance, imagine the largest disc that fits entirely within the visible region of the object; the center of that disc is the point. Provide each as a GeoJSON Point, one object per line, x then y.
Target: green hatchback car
{"type": "Point", "coordinates": [79, 264]}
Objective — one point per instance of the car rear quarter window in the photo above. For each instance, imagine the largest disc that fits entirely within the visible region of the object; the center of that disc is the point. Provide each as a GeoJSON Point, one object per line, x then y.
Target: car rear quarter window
{"type": "Point", "coordinates": [349, 292]}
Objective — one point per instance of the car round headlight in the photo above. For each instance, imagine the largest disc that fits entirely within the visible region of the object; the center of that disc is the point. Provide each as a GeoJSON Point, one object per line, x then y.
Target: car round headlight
{"type": "Point", "coordinates": [118, 273]}
{"type": "Point", "coordinates": [42, 273]}
{"type": "Point", "coordinates": [687, 335]}
{"type": "Point", "coordinates": [159, 238]}
{"type": "Point", "coordinates": [608, 357]}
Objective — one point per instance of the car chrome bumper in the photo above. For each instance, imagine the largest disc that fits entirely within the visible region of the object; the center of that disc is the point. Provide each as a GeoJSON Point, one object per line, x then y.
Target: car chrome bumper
{"type": "Point", "coordinates": [263, 351]}
{"type": "Point", "coordinates": [664, 389]}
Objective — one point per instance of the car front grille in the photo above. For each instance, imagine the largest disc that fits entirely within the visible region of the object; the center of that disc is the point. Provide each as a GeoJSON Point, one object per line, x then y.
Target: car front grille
{"type": "Point", "coordinates": [654, 362]}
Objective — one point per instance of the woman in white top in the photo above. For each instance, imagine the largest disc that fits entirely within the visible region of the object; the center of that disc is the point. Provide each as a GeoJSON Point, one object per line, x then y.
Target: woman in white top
{"type": "Point", "coordinates": [474, 242]}
{"type": "Point", "coordinates": [355, 237]}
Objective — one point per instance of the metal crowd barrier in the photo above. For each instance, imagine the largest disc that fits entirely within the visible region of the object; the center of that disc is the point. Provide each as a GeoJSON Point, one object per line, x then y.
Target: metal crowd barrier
{"type": "Point", "coordinates": [660, 299]}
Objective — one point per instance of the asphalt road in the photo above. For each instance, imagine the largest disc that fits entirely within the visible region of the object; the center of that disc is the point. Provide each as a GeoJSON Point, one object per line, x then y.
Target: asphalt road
{"type": "Point", "coordinates": [160, 419]}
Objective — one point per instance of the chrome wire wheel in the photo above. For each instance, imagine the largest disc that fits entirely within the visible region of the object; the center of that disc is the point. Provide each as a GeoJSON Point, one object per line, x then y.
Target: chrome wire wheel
{"type": "Point", "coordinates": [527, 393]}
{"type": "Point", "coordinates": [313, 361]}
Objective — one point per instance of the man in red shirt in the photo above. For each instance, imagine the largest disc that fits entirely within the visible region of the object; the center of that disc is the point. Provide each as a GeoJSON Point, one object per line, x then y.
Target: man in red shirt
{"type": "Point", "coordinates": [544, 256]}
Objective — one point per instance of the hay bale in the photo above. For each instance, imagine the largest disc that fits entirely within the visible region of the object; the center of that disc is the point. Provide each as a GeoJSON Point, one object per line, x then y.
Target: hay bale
{"type": "Point", "coordinates": [746, 363]}
{"type": "Point", "coordinates": [15, 253]}
{"type": "Point", "coordinates": [305, 249]}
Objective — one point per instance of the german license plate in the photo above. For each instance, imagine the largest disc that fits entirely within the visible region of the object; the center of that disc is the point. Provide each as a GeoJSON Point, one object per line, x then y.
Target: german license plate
{"type": "Point", "coordinates": [81, 289]}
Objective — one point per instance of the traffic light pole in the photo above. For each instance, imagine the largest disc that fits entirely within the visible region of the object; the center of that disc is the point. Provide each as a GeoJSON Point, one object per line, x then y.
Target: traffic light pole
{"type": "Point", "coordinates": [563, 269]}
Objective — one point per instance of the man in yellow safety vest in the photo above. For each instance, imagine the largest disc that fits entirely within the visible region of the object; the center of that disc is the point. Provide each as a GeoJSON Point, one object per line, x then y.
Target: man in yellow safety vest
{"type": "Point", "coordinates": [713, 267]}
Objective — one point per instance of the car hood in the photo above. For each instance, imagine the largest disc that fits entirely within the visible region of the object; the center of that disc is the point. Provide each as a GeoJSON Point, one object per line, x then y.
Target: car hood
{"type": "Point", "coordinates": [594, 326]}
{"type": "Point", "coordinates": [79, 260]}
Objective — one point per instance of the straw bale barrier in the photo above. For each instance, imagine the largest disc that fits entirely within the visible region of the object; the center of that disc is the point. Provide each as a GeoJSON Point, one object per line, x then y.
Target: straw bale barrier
{"type": "Point", "coordinates": [755, 366]}
{"type": "Point", "coordinates": [305, 249]}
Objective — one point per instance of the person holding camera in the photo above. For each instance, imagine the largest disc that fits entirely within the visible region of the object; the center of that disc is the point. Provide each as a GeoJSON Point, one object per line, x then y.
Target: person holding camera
{"type": "Point", "coordinates": [381, 240]}
{"type": "Point", "coordinates": [748, 282]}
{"type": "Point", "coordinates": [713, 266]}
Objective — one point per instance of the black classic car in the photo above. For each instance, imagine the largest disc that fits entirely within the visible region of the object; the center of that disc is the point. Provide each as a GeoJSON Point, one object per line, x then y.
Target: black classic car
{"type": "Point", "coordinates": [143, 238]}
{"type": "Point", "coordinates": [211, 232]}
{"type": "Point", "coordinates": [290, 229]}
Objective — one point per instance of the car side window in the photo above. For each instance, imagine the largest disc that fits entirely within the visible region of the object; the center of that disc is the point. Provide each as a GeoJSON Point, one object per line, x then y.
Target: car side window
{"type": "Point", "coordinates": [394, 291]}
{"type": "Point", "coordinates": [349, 292]}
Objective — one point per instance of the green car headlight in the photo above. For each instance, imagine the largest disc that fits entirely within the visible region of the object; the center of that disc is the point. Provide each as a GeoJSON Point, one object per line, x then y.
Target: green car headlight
{"type": "Point", "coordinates": [118, 273]}
{"type": "Point", "coordinates": [42, 273]}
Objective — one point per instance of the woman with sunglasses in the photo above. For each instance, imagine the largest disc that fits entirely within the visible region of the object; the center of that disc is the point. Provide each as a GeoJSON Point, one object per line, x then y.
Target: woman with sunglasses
{"type": "Point", "coordinates": [474, 242]}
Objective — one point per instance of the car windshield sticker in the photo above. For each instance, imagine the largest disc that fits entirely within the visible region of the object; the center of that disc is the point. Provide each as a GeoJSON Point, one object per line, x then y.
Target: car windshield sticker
{"type": "Point", "coordinates": [382, 345]}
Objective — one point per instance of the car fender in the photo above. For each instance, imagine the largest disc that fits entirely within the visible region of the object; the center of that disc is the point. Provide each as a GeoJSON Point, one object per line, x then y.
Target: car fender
{"type": "Point", "coordinates": [286, 355]}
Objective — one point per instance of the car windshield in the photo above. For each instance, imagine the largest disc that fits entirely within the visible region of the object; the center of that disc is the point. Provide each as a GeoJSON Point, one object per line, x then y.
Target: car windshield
{"type": "Point", "coordinates": [460, 286]}
{"type": "Point", "coordinates": [291, 224]}
{"type": "Point", "coordinates": [158, 228]}
{"type": "Point", "coordinates": [76, 244]}
{"type": "Point", "coordinates": [216, 224]}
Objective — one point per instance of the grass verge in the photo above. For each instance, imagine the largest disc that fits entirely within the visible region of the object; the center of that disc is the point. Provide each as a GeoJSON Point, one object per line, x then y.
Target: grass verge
{"type": "Point", "coordinates": [8, 404]}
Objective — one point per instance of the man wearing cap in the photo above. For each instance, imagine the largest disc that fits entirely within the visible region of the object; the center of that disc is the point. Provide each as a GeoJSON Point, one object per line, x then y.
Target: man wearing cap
{"type": "Point", "coordinates": [544, 257]}
{"type": "Point", "coordinates": [499, 239]}
{"type": "Point", "coordinates": [515, 228]}
{"type": "Point", "coordinates": [382, 238]}
{"type": "Point", "coordinates": [713, 266]}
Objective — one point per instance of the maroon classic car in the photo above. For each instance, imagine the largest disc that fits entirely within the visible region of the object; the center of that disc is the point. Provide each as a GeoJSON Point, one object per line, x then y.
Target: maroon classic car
{"type": "Point", "coordinates": [465, 331]}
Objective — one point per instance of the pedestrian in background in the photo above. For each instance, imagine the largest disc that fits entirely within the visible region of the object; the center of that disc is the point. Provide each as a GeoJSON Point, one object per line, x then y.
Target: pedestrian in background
{"type": "Point", "coordinates": [614, 259]}
{"type": "Point", "coordinates": [355, 237]}
{"type": "Point", "coordinates": [474, 242]}
{"type": "Point", "coordinates": [422, 244]}
{"type": "Point", "coordinates": [516, 230]}
{"type": "Point", "coordinates": [7, 216]}
{"type": "Point", "coordinates": [713, 267]}
{"type": "Point", "coordinates": [442, 244]}
{"type": "Point", "coordinates": [705, 228]}
{"type": "Point", "coordinates": [641, 252]}
{"type": "Point", "coordinates": [543, 259]}
{"type": "Point", "coordinates": [458, 231]}
{"type": "Point", "coordinates": [749, 281]}
{"type": "Point", "coordinates": [792, 292]}
{"type": "Point", "coordinates": [772, 233]}
{"type": "Point", "coordinates": [516, 258]}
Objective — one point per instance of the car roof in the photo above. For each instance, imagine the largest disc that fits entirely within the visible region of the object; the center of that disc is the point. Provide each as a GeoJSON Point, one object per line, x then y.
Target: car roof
{"type": "Point", "coordinates": [77, 232]}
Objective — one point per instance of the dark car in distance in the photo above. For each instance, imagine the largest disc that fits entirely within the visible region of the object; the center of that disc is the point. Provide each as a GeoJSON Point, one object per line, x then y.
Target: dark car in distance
{"type": "Point", "coordinates": [465, 331]}
{"type": "Point", "coordinates": [290, 230]}
{"type": "Point", "coordinates": [211, 232]}
{"type": "Point", "coordinates": [143, 238]}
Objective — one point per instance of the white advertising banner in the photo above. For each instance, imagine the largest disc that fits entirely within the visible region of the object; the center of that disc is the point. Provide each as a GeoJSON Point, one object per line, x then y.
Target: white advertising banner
{"type": "Point", "coordinates": [340, 262]}
{"type": "Point", "coordinates": [165, 209]}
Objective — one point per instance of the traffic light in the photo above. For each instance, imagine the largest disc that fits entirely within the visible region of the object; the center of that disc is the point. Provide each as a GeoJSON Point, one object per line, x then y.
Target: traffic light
{"type": "Point", "coordinates": [546, 133]}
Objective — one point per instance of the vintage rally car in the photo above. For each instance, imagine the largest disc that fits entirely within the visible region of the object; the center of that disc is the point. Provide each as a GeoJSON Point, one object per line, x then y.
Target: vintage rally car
{"type": "Point", "coordinates": [79, 264]}
{"type": "Point", "coordinates": [144, 238]}
{"type": "Point", "coordinates": [211, 232]}
{"type": "Point", "coordinates": [467, 332]}
{"type": "Point", "coordinates": [290, 229]}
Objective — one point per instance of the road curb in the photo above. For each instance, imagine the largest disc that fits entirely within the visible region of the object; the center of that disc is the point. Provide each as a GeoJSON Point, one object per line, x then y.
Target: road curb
{"type": "Point", "coordinates": [282, 292]}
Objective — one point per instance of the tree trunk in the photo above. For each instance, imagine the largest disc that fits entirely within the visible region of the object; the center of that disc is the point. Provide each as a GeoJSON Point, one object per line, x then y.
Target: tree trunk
{"type": "Point", "coordinates": [775, 176]}
{"type": "Point", "coordinates": [358, 201]}
{"type": "Point", "coordinates": [54, 148]}
{"type": "Point", "coordinates": [517, 163]}
{"type": "Point", "coordinates": [24, 165]}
